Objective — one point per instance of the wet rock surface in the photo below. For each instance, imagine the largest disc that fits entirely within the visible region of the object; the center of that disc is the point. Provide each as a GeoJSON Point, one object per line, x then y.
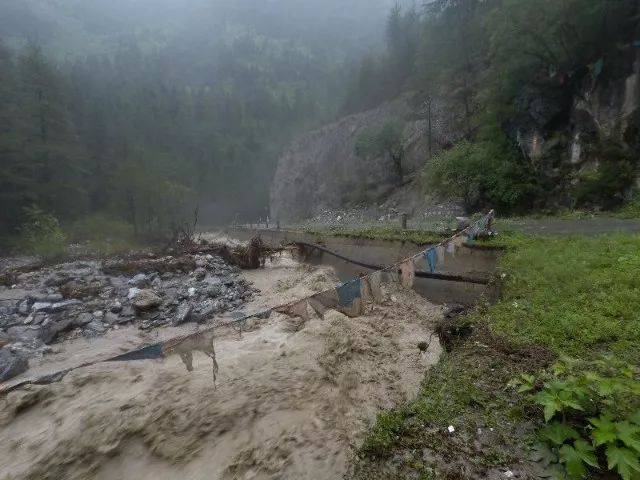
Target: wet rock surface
{"type": "Point", "coordinates": [11, 364]}
{"type": "Point", "coordinates": [89, 298]}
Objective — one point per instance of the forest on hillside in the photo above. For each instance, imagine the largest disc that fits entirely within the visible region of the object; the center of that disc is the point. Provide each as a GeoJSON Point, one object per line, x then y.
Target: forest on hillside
{"type": "Point", "coordinates": [130, 114]}
{"type": "Point", "coordinates": [124, 116]}
{"type": "Point", "coordinates": [562, 67]}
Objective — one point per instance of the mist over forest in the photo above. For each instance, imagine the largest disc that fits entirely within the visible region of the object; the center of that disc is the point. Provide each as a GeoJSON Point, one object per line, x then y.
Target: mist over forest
{"type": "Point", "coordinates": [133, 113]}
{"type": "Point", "coordinates": [135, 110]}
{"type": "Point", "coordinates": [320, 239]}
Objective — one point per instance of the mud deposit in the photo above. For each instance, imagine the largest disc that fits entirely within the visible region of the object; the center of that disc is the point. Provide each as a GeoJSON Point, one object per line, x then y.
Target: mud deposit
{"type": "Point", "coordinates": [293, 397]}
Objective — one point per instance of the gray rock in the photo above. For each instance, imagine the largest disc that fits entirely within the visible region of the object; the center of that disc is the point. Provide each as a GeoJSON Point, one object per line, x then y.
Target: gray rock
{"type": "Point", "coordinates": [38, 297]}
{"type": "Point", "coordinates": [132, 293]}
{"type": "Point", "coordinates": [41, 307]}
{"type": "Point", "coordinates": [171, 296]}
{"type": "Point", "coordinates": [64, 305]}
{"type": "Point", "coordinates": [127, 311]}
{"type": "Point", "coordinates": [146, 300]}
{"type": "Point", "coordinates": [83, 319]}
{"type": "Point", "coordinates": [183, 315]}
{"type": "Point", "coordinates": [111, 318]}
{"type": "Point", "coordinates": [123, 320]}
{"type": "Point", "coordinates": [51, 331]}
{"type": "Point", "coordinates": [96, 326]}
{"type": "Point", "coordinates": [199, 273]}
{"type": "Point", "coordinates": [11, 365]}
{"type": "Point", "coordinates": [140, 280]}
{"type": "Point", "coordinates": [208, 308]}
{"type": "Point", "coordinates": [38, 318]}
{"type": "Point", "coordinates": [116, 307]}
{"type": "Point", "coordinates": [98, 314]}
{"type": "Point", "coordinates": [55, 280]}
{"type": "Point", "coordinates": [23, 307]}
{"type": "Point", "coordinates": [54, 297]}
{"type": "Point", "coordinates": [25, 334]}
{"type": "Point", "coordinates": [215, 290]}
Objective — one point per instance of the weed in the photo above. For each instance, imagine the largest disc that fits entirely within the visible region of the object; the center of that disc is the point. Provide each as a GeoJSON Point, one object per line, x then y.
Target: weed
{"type": "Point", "coordinates": [592, 411]}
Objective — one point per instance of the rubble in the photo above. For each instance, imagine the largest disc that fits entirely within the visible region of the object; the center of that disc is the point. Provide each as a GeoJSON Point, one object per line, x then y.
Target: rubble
{"type": "Point", "coordinates": [49, 304]}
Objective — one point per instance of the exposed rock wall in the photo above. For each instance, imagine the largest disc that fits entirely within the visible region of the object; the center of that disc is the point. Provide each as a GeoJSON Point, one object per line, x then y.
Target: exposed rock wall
{"type": "Point", "coordinates": [321, 169]}
{"type": "Point", "coordinates": [561, 123]}
{"type": "Point", "coordinates": [558, 124]}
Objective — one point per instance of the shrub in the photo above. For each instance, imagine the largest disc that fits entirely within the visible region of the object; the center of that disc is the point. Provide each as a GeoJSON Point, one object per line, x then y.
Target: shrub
{"type": "Point", "coordinates": [605, 186]}
{"type": "Point", "coordinates": [104, 234]}
{"type": "Point", "coordinates": [631, 209]}
{"type": "Point", "coordinates": [483, 173]}
{"type": "Point", "coordinates": [41, 235]}
{"type": "Point", "coordinates": [592, 416]}
{"type": "Point", "coordinates": [100, 227]}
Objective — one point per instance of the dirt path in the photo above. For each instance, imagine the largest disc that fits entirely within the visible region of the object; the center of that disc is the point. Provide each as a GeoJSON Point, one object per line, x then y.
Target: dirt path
{"type": "Point", "coordinates": [292, 398]}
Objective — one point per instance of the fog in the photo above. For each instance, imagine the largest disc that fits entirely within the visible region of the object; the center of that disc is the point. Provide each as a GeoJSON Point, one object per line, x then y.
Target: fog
{"type": "Point", "coordinates": [89, 26]}
{"type": "Point", "coordinates": [198, 95]}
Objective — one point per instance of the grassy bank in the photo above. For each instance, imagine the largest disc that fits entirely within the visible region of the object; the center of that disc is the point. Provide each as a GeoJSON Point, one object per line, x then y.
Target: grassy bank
{"type": "Point", "coordinates": [573, 296]}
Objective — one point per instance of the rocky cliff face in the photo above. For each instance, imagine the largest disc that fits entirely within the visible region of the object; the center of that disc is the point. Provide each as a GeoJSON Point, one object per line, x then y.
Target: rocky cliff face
{"type": "Point", "coordinates": [568, 124]}
{"type": "Point", "coordinates": [321, 170]}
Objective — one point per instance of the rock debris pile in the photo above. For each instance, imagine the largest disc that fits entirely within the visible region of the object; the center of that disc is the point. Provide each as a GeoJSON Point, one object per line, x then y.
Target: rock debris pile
{"type": "Point", "coordinates": [89, 298]}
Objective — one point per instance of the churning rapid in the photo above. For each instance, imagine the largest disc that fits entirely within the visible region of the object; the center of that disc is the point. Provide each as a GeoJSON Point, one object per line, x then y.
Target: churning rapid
{"type": "Point", "coordinates": [293, 396]}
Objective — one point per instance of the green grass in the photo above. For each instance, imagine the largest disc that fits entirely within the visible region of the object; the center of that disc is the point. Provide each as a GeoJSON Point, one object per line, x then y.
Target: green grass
{"type": "Point", "coordinates": [419, 237]}
{"type": "Point", "coordinates": [466, 390]}
{"type": "Point", "coordinates": [560, 295]}
{"type": "Point", "coordinates": [577, 295]}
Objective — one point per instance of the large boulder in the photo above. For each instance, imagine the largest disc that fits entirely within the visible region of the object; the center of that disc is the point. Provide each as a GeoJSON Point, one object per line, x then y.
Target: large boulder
{"type": "Point", "coordinates": [11, 365]}
{"type": "Point", "coordinates": [25, 334]}
{"type": "Point", "coordinates": [146, 300]}
{"type": "Point", "coordinates": [140, 280]}
{"type": "Point", "coordinates": [183, 315]}
{"type": "Point", "coordinates": [64, 305]}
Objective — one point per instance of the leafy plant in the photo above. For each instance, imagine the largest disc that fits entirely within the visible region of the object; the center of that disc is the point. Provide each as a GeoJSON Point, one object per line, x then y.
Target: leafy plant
{"type": "Point", "coordinates": [485, 172]}
{"type": "Point", "coordinates": [41, 234]}
{"type": "Point", "coordinates": [592, 415]}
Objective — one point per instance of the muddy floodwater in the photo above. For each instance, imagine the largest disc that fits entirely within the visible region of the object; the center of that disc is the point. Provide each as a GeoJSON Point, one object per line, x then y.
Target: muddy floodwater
{"type": "Point", "coordinates": [293, 398]}
{"type": "Point", "coordinates": [473, 262]}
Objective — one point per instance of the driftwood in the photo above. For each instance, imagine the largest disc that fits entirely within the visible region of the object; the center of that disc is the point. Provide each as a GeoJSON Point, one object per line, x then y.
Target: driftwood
{"type": "Point", "coordinates": [249, 257]}
{"type": "Point", "coordinates": [181, 259]}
